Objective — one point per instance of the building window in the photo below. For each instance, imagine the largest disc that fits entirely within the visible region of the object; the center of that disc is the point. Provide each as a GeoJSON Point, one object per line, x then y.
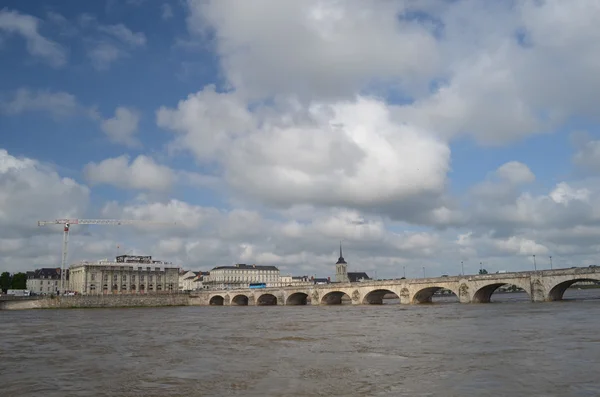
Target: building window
{"type": "Point", "coordinates": [93, 277]}
{"type": "Point", "coordinates": [133, 278]}
{"type": "Point", "coordinates": [142, 278]}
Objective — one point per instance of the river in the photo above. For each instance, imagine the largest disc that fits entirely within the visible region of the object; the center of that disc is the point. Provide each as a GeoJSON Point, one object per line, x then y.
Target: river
{"type": "Point", "coordinates": [447, 349]}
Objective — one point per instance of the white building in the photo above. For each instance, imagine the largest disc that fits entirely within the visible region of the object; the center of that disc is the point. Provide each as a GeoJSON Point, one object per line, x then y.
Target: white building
{"type": "Point", "coordinates": [186, 280]}
{"type": "Point", "coordinates": [127, 275]}
{"type": "Point", "coordinates": [199, 281]}
{"type": "Point", "coordinates": [44, 281]}
{"type": "Point", "coordinates": [241, 276]}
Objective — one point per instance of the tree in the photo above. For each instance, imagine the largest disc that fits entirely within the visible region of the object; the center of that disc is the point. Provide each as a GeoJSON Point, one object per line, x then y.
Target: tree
{"type": "Point", "coordinates": [19, 281]}
{"type": "Point", "coordinates": [483, 271]}
{"type": "Point", "coordinates": [5, 281]}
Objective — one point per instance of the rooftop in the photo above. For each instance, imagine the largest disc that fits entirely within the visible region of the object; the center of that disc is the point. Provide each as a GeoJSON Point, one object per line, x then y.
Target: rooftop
{"type": "Point", "coordinates": [243, 266]}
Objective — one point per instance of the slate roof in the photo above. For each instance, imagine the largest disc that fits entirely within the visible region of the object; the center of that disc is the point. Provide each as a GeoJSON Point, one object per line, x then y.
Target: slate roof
{"type": "Point", "coordinates": [355, 276]}
{"type": "Point", "coordinates": [51, 273]}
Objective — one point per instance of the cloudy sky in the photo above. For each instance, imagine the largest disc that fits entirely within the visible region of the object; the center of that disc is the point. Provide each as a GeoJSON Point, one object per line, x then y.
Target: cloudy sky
{"type": "Point", "coordinates": [421, 133]}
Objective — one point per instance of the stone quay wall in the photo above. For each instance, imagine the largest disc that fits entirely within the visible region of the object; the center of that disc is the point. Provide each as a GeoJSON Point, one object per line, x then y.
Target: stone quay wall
{"type": "Point", "coordinates": [97, 301]}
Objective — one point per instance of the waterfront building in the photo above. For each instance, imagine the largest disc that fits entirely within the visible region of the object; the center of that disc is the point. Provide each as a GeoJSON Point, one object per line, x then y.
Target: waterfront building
{"type": "Point", "coordinates": [241, 276]}
{"type": "Point", "coordinates": [128, 274]}
{"type": "Point", "coordinates": [199, 281]}
{"type": "Point", "coordinates": [186, 280]}
{"type": "Point", "coordinates": [44, 281]}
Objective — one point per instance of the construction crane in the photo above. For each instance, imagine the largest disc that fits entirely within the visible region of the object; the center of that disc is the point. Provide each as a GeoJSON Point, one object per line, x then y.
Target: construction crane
{"type": "Point", "coordinates": [67, 224]}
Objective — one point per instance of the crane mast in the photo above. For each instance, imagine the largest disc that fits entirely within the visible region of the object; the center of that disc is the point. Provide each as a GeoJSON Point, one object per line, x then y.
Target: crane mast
{"type": "Point", "coordinates": [67, 225]}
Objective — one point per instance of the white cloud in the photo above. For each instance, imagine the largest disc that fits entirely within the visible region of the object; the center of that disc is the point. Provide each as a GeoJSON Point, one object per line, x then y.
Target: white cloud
{"type": "Point", "coordinates": [516, 173]}
{"type": "Point", "coordinates": [122, 127]}
{"type": "Point", "coordinates": [104, 54]}
{"type": "Point", "coordinates": [27, 27]}
{"type": "Point", "coordinates": [124, 34]}
{"type": "Point", "coordinates": [302, 242]}
{"type": "Point", "coordinates": [142, 173]}
{"type": "Point", "coordinates": [59, 104]}
{"type": "Point", "coordinates": [31, 191]}
{"type": "Point", "coordinates": [314, 48]}
{"type": "Point", "coordinates": [327, 154]}
{"type": "Point", "coordinates": [207, 122]}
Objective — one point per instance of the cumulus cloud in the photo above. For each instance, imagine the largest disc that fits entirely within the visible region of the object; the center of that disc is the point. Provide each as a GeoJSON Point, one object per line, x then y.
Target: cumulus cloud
{"type": "Point", "coordinates": [141, 173]}
{"type": "Point", "coordinates": [314, 48]}
{"type": "Point", "coordinates": [327, 154]}
{"type": "Point", "coordinates": [298, 241]}
{"type": "Point", "coordinates": [122, 127]}
{"type": "Point", "coordinates": [335, 122]}
{"type": "Point", "coordinates": [59, 104]}
{"type": "Point", "coordinates": [31, 191]}
{"type": "Point", "coordinates": [27, 26]}
{"type": "Point", "coordinates": [206, 122]}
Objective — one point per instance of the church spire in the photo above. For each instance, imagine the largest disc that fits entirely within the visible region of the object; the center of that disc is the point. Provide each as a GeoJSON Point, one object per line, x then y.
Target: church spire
{"type": "Point", "coordinates": [341, 258]}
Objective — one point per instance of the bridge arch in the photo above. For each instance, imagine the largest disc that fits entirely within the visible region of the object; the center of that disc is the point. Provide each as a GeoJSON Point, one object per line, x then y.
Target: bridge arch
{"type": "Point", "coordinates": [240, 300]}
{"type": "Point", "coordinates": [376, 296]}
{"type": "Point", "coordinates": [297, 298]}
{"type": "Point", "coordinates": [266, 300]}
{"type": "Point", "coordinates": [483, 294]}
{"type": "Point", "coordinates": [216, 300]}
{"type": "Point", "coordinates": [335, 298]}
{"type": "Point", "coordinates": [425, 295]}
{"type": "Point", "coordinates": [557, 291]}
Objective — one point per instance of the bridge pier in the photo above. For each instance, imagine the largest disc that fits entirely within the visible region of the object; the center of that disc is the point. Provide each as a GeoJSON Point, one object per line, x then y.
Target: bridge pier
{"type": "Point", "coordinates": [538, 290]}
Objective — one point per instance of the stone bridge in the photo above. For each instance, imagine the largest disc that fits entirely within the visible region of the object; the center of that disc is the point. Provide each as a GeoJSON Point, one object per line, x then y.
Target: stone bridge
{"type": "Point", "coordinates": [541, 286]}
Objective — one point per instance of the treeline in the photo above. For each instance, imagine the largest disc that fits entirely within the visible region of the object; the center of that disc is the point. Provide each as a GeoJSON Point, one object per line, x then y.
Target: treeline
{"type": "Point", "coordinates": [13, 281]}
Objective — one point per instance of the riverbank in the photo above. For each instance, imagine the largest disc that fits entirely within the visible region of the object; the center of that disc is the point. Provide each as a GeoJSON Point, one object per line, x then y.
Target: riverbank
{"type": "Point", "coordinates": [97, 301]}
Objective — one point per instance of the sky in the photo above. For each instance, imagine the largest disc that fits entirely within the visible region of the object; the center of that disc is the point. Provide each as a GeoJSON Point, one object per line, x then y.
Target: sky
{"type": "Point", "coordinates": [422, 134]}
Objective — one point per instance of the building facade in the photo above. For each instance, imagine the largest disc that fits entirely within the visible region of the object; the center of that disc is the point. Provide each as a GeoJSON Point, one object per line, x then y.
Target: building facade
{"type": "Point", "coordinates": [44, 281]}
{"type": "Point", "coordinates": [126, 275]}
{"type": "Point", "coordinates": [241, 276]}
{"type": "Point", "coordinates": [186, 280]}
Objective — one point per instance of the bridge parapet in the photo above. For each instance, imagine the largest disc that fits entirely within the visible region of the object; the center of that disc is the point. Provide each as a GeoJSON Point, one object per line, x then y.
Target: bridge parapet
{"type": "Point", "coordinates": [542, 285]}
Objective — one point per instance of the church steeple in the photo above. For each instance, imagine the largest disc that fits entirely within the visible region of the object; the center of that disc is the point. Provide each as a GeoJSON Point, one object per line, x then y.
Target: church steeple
{"type": "Point", "coordinates": [341, 258]}
{"type": "Point", "coordinates": [341, 268]}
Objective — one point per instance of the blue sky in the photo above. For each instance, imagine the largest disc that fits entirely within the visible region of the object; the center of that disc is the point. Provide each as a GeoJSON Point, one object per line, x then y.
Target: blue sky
{"type": "Point", "coordinates": [404, 135]}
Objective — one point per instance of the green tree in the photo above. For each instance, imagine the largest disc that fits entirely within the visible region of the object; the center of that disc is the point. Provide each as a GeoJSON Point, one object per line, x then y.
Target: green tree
{"type": "Point", "coordinates": [5, 281]}
{"type": "Point", "coordinates": [19, 281]}
{"type": "Point", "coordinates": [483, 271]}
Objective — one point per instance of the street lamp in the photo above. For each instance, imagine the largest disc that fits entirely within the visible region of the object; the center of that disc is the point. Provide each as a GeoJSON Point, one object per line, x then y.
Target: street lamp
{"type": "Point", "coordinates": [424, 272]}
{"type": "Point", "coordinates": [534, 265]}
{"type": "Point", "coordinates": [550, 262]}
{"type": "Point", "coordinates": [462, 267]}
{"type": "Point", "coordinates": [404, 268]}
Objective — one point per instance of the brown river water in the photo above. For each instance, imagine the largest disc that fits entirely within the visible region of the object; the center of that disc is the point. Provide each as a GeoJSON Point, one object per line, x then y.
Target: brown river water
{"type": "Point", "coordinates": [509, 348]}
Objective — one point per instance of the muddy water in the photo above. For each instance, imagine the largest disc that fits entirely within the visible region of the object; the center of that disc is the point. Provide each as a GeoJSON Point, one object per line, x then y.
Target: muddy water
{"type": "Point", "coordinates": [447, 349]}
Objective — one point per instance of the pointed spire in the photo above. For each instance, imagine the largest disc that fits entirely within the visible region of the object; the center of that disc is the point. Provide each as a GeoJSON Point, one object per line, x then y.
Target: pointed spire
{"type": "Point", "coordinates": [341, 258]}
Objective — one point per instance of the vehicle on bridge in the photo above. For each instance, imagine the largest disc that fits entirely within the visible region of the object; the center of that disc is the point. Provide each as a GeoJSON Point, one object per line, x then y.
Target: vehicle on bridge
{"type": "Point", "coordinates": [258, 285]}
